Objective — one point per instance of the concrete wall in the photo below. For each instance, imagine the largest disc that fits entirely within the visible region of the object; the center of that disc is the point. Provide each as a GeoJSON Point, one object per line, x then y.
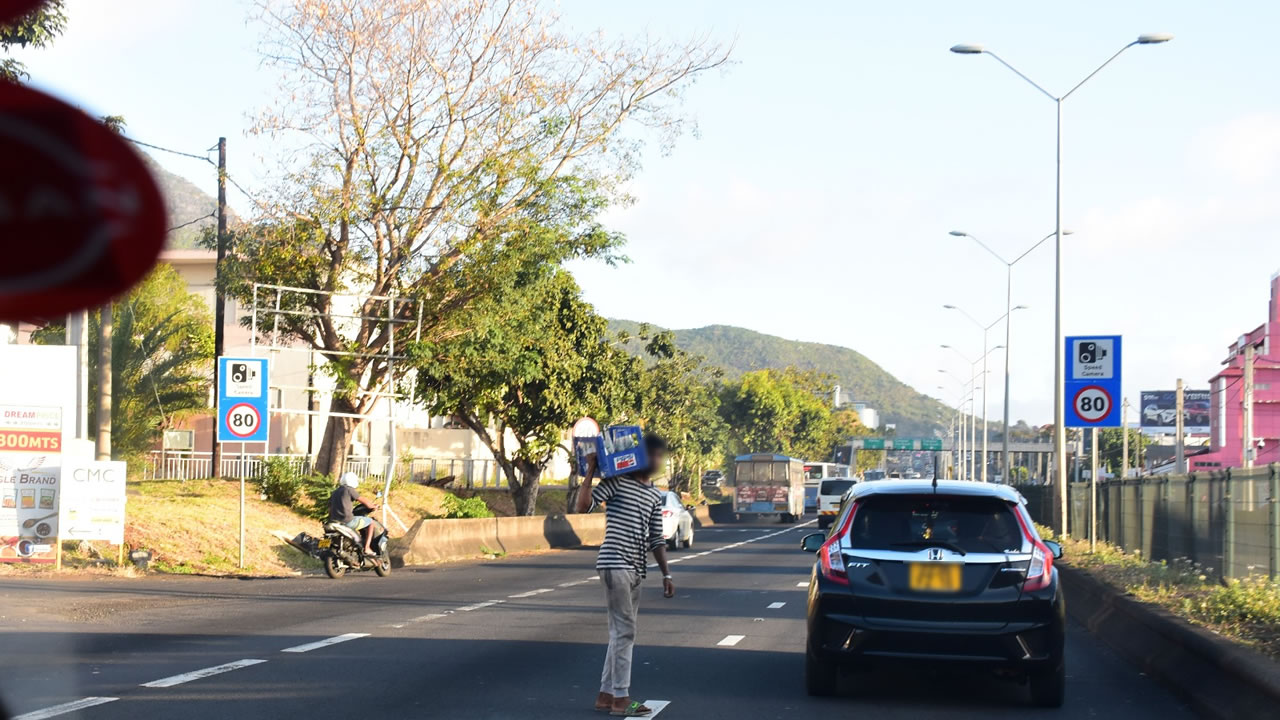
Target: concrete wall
{"type": "Point", "coordinates": [432, 541]}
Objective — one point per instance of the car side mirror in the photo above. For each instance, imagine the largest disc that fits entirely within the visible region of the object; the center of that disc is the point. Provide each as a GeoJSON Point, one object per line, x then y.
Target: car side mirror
{"type": "Point", "coordinates": [812, 542]}
{"type": "Point", "coordinates": [1055, 548]}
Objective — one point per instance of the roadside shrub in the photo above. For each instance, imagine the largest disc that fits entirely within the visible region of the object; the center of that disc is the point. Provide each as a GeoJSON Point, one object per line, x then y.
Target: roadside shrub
{"type": "Point", "coordinates": [1241, 602]}
{"type": "Point", "coordinates": [453, 506]}
{"type": "Point", "coordinates": [280, 482]}
{"type": "Point", "coordinates": [314, 499]}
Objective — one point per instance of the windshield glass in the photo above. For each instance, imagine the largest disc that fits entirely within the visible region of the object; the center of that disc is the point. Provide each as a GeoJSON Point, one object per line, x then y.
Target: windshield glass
{"type": "Point", "coordinates": [834, 487]}
{"type": "Point", "coordinates": [901, 522]}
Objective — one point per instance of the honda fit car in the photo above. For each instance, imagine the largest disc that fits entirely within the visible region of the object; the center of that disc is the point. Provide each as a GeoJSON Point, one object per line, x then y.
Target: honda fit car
{"type": "Point", "coordinates": [948, 572]}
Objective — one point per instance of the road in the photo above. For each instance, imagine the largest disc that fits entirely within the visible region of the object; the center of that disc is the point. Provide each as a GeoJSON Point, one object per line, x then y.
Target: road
{"type": "Point", "coordinates": [518, 638]}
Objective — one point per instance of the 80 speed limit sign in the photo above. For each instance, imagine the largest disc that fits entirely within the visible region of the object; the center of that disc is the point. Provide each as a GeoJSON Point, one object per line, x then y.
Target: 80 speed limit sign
{"type": "Point", "coordinates": [1092, 403]}
{"type": "Point", "coordinates": [243, 420]}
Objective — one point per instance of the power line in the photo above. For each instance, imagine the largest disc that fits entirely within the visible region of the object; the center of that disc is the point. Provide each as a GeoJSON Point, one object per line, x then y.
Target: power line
{"type": "Point", "coordinates": [211, 215]}
{"type": "Point", "coordinates": [170, 150]}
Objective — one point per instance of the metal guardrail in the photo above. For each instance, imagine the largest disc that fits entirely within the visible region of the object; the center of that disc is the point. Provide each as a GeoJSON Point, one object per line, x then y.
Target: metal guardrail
{"type": "Point", "coordinates": [1227, 522]}
{"type": "Point", "coordinates": [190, 465]}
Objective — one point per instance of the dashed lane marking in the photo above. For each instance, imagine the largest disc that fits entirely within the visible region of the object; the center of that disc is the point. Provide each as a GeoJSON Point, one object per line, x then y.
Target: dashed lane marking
{"type": "Point", "coordinates": [203, 673]}
{"type": "Point", "coordinates": [308, 647]}
{"type": "Point", "coordinates": [73, 706]}
{"type": "Point", "coordinates": [531, 593]}
{"type": "Point", "coordinates": [804, 584]}
{"type": "Point", "coordinates": [731, 640]}
{"type": "Point", "coordinates": [656, 706]}
{"type": "Point", "coordinates": [776, 605]}
{"type": "Point", "coordinates": [477, 606]}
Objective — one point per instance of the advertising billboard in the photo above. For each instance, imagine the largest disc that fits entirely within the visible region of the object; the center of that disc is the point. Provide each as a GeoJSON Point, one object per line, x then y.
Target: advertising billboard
{"type": "Point", "coordinates": [1159, 410]}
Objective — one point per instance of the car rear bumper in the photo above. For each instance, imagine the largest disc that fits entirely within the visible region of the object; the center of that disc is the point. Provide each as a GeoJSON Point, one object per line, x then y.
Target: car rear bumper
{"type": "Point", "coordinates": [857, 640]}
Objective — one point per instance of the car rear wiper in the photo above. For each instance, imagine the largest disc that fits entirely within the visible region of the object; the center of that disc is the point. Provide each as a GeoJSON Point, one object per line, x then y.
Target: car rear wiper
{"type": "Point", "coordinates": [931, 543]}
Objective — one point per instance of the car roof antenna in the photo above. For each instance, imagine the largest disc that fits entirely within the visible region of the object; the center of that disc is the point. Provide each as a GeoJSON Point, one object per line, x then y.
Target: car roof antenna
{"type": "Point", "coordinates": [935, 483]}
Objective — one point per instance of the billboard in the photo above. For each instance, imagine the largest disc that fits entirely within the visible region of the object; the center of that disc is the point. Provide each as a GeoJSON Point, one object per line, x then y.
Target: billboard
{"type": "Point", "coordinates": [1159, 410]}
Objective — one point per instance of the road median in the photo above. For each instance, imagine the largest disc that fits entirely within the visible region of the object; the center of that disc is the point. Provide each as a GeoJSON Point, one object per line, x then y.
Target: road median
{"type": "Point", "coordinates": [442, 540]}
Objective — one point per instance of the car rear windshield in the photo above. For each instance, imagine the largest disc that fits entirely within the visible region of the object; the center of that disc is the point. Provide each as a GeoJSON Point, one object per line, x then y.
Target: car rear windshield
{"type": "Point", "coordinates": [907, 522]}
{"type": "Point", "coordinates": [834, 487]}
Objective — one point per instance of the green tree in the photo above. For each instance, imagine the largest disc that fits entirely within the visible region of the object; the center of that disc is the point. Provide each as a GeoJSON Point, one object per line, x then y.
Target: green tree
{"type": "Point", "coordinates": [782, 411]}
{"type": "Point", "coordinates": [442, 150]}
{"type": "Point", "coordinates": [37, 29]}
{"type": "Point", "coordinates": [1111, 447]}
{"type": "Point", "coordinates": [161, 359]}
{"type": "Point", "coordinates": [531, 362]}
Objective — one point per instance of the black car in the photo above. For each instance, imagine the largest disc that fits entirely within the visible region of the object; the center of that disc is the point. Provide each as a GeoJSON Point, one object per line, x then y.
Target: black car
{"type": "Point", "coordinates": [949, 572]}
{"type": "Point", "coordinates": [712, 478]}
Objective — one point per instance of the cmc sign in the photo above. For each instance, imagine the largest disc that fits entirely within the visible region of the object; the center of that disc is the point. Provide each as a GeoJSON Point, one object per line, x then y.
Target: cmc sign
{"type": "Point", "coordinates": [93, 501]}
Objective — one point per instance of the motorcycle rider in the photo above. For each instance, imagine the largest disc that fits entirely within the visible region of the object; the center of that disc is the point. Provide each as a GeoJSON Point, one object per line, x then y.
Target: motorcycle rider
{"type": "Point", "coordinates": [340, 510]}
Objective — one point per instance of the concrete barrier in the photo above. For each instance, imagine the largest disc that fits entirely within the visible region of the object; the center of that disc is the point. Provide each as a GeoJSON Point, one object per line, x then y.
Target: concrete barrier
{"type": "Point", "coordinates": [1217, 677]}
{"type": "Point", "coordinates": [432, 541]}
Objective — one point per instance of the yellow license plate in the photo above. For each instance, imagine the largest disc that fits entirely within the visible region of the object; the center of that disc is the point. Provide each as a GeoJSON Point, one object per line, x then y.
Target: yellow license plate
{"type": "Point", "coordinates": [323, 543]}
{"type": "Point", "coordinates": [934, 576]}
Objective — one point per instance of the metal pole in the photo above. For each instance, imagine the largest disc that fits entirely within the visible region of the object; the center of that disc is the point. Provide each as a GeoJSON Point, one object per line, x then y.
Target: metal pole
{"type": "Point", "coordinates": [1008, 318]}
{"type": "Point", "coordinates": [241, 474]}
{"type": "Point", "coordinates": [973, 420]}
{"type": "Point", "coordinates": [1093, 495]}
{"type": "Point", "coordinates": [220, 299]}
{"type": "Point", "coordinates": [1124, 439]}
{"type": "Point", "coordinates": [1180, 455]}
{"type": "Point", "coordinates": [984, 405]}
{"type": "Point", "coordinates": [1246, 416]}
{"type": "Point", "coordinates": [1059, 432]}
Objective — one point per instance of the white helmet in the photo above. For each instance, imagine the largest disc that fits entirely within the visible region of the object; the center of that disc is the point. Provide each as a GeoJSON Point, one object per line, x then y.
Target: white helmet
{"type": "Point", "coordinates": [349, 479]}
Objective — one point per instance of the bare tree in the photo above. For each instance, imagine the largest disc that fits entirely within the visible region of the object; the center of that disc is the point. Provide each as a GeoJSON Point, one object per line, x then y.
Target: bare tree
{"type": "Point", "coordinates": [441, 148]}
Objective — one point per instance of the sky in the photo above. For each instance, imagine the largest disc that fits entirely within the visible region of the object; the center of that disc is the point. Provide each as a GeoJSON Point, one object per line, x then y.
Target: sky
{"type": "Point", "coordinates": [838, 150]}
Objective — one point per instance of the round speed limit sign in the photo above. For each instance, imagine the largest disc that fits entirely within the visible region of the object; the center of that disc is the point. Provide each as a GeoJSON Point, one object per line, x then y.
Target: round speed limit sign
{"type": "Point", "coordinates": [243, 420]}
{"type": "Point", "coordinates": [1092, 403]}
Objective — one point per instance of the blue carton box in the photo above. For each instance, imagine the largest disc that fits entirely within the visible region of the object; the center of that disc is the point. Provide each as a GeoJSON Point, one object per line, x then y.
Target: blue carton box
{"type": "Point", "coordinates": [620, 450]}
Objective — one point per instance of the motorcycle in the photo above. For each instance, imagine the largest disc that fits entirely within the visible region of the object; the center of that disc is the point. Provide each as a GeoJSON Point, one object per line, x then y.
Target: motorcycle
{"type": "Point", "coordinates": [342, 549]}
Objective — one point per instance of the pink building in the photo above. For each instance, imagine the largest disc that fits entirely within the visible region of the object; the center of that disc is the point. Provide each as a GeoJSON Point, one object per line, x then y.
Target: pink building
{"type": "Point", "coordinates": [1228, 394]}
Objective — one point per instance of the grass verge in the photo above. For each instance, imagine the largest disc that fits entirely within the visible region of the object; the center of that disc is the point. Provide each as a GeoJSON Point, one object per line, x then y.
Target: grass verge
{"type": "Point", "coordinates": [1245, 610]}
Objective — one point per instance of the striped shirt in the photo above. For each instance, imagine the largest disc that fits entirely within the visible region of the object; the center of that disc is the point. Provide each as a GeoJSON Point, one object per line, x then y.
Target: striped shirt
{"type": "Point", "coordinates": [633, 523]}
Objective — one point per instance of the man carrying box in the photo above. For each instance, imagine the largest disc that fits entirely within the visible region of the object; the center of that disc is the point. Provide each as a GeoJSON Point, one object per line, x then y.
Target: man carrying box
{"type": "Point", "coordinates": [633, 527]}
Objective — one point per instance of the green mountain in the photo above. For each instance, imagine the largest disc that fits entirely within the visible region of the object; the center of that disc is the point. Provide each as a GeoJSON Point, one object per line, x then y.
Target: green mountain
{"type": "Point", "coordinates": [738, 350]}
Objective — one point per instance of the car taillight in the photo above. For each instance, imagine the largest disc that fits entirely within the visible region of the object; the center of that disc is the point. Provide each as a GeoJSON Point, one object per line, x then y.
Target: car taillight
{"type": "Point", "coordinates": [1040, 571]}
{"type": "Point", "coordinates": [830, 559]}
{"type": "Point", "coordinates": [667, 513]}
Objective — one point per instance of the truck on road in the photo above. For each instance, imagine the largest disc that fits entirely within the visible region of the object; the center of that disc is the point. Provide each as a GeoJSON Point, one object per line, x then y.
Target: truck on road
{"type": "Point", "coordinates": [768, 484]}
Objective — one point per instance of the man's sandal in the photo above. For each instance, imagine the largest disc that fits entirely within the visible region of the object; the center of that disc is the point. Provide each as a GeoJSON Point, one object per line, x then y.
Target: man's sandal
{"type": "Point", "coordinates": [635, 709]}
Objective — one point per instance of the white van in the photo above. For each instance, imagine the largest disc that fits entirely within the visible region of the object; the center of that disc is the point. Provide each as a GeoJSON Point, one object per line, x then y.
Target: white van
{"type": "Point", "coordinates": [829, 493]}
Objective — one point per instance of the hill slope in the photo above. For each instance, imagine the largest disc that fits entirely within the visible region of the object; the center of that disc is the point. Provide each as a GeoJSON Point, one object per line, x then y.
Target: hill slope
{"type": "Point", "coordinates": [738, 350]}
{"type": "Point", "coordinates": [185, 201]}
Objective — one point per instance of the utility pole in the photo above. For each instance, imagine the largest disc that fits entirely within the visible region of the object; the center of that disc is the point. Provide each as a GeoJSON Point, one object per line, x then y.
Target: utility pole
{"type": "Point", "coordinates": [78, 335]}
{"type": "Point", "coordinates": [1181, 457]}
{"type": "Point", "coordinates": [1124, 440]}
{"type": "Point", "coordinates": [105, 328]}
{"type": "Point", "coordinates": [220, 304]}
{"type": "Point", "coordinates": [1246, 417]}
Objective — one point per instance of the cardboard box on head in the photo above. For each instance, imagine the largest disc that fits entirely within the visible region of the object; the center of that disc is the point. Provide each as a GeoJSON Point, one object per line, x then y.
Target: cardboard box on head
{"type": "Point", "coordinates": [620, 450]}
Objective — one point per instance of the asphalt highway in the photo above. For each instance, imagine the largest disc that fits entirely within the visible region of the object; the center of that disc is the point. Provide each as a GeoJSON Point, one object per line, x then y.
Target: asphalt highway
{"type": "Point", "coordinates": [519, 638]}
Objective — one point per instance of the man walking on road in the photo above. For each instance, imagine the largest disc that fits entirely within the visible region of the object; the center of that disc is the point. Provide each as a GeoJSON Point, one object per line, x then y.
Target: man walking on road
{"type": "Point", "coordinates": [633, 527]}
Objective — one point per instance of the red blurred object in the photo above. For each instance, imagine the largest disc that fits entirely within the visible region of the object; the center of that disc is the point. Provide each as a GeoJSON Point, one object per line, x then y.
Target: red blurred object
{"type": "Point", "coordinates": [13, 9]}
{"type": "Point", "coordinates": [81, 219]}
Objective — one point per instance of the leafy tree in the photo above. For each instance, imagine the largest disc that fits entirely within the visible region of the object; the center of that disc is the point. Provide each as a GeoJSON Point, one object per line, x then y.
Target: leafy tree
{"type": "Point", "coordinates": [161, 359]}
{"type": "Point", "coordinates": [37, 29]}
{"type": "Point", "coordinates": [782, 411]}
{"type": "Point", "coordinates": [443, 150]}
{"type": "Point", "coordinates": [1111, 447]}
{"type": "Point", "coordinates": [532, 361]}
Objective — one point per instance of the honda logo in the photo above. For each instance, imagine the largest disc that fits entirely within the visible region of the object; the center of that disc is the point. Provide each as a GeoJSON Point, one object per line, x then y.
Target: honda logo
{"type": "Point", "coordinates": [935, 553]}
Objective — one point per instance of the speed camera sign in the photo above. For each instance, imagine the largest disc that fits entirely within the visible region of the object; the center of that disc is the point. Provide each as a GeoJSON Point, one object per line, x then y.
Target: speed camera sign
{"type": "Point", "coordinates": [242, 400]}
{"type": "Point", "coordinates": [243, 420]}
{"type": "Point", "coordinates": [1092, 404]}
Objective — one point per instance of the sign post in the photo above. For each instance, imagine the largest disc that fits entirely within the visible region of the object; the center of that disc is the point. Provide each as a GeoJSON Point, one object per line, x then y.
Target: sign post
{"type": "Point", "coordinates": [1092, 388]}
{"type": "Point", "coordinates": [242, 411]}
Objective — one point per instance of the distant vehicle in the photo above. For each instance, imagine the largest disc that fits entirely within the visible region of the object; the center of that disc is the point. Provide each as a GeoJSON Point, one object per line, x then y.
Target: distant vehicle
{"type": "Point", "coordinates": [713, 478]}
{"type": "Point", "coordinates": [830, 491]}
{"type": "Point", "coordinates": [677, 522]}
{"type": "Point", "coordinates": [870, 475]}
{"type": "Point", "coordinates": [895, 476]}
{"type": "Point", "coordinates": [815, 472]}
{"type": "Point", "coordinates": [913, 476]}
{"type": "Point", "coordinates": [954, 573]}
{"type": "Point", "coordinates": [768, 484]}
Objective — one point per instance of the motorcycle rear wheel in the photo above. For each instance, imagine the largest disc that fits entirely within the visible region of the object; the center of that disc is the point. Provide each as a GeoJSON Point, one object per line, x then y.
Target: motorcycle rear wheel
{"type": "Point", "coordinates": [332, 568]}
{"type": "Point", "coordinates": [383, 565]}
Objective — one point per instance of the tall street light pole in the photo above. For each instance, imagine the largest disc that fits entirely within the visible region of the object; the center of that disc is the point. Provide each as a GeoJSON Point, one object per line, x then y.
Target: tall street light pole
{"type": "Point", "coordinates": [965, 391]}
{"type": "Point", "coordinates": [1008, 337]}
{"type": "Point", "coordinates": [985, 352]}
{"type": "Point", "coordinates": [1059, 432]}
{"type": "Point", "coordinates": [973, 424]}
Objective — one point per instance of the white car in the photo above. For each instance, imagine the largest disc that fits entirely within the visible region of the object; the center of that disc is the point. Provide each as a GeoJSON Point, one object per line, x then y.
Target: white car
{"type": "Point", "coordinates": [677, 522]}
{"type": "Point", "coordinates": [829, 493]}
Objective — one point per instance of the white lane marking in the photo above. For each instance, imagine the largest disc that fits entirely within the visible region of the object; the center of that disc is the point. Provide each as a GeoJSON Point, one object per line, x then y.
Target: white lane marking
{"type": "Point", "coordinates": [308, 647]}
{"type": "Point", "coordinates": [424, 618]}
{"type": "Point", "coordinates": [676, 560]}
{"type": "Point", "coordinates": [477, 606]}
{"type": "Point", "coordinates": [197, 674]}
{"type": "Point", "coordinates": [776, 605]}
{"type": "Point", "coordinates": [573, 583]}
{"type": "Point", "coordinates": [73, 706]}
{"type": "Point", "coordinates": [531, 593]}
{"type": "Point", "coordinates": [803, 584]}
{"type": "Point", "coordinates": [731, 640]}
{"type": "Point", "coordinates": [656, 706]}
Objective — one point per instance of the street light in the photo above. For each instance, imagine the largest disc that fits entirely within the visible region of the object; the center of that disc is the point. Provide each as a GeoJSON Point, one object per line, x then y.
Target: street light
{"type": "Point", "coordinates": [1059, 432]}
{"type": "Point", "coordinates": [985, 352]}
{"type": "Point", "coordinates": [973, 424]}
{"type": "Point", "coordinates": [965, 392]}
{"type": "Point", "coordinates": [1008, 338]}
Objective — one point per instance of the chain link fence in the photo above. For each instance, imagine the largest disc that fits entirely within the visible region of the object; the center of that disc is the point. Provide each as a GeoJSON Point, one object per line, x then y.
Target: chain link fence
{"type": "Point", "coordinates": [1227, 522]}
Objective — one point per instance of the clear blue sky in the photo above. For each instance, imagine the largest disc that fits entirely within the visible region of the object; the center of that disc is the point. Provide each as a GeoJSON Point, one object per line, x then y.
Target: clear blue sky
{"type": "Point", "coordinates": [839, 150]}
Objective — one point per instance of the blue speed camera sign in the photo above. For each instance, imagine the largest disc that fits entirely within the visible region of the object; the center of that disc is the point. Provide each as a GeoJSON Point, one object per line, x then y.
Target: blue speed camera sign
{"type": "Point", "coordinates": [242, 400]}
{"type": "Point", "coordinates": [1092, 382]}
